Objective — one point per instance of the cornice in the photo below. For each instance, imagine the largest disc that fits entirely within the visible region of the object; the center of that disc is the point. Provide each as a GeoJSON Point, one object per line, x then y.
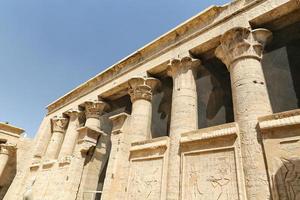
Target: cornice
{"type": "Point", "coordinates": [278, 120]}
{"type": "Point", "coordinates": [203, 22]}
{"type": "Point", "coordinates": [224, 130]}
{"type": "Point", "coordinates": [10, 129]}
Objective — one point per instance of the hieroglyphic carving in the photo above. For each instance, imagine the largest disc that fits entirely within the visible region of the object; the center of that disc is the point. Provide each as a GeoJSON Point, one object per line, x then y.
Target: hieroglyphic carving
{"type": "Point", "coordinates": [210, 176]}
{"type": "Point", "coordinates": [145, 179]}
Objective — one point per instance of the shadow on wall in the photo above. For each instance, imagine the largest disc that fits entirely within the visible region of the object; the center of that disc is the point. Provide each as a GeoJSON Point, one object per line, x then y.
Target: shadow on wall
{"type": "Point", "coordinates": [161, 114]}
{"type": "Point", "coordinates": [214, 94]}
{"type": "Point", "coordinates": [8, 175]}
{"type": "Point", "coordinates": [286, 181]}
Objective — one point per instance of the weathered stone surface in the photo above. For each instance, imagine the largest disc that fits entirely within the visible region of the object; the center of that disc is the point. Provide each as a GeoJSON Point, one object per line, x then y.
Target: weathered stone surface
{"type": "Point", "coordinates": [241, 50]}
{"type": "Point", "coordinates": [157, 151]}
{"type": "Point", "coordinates": [281, 138]}
{"type": "Point", "coordinates": [184, 114]}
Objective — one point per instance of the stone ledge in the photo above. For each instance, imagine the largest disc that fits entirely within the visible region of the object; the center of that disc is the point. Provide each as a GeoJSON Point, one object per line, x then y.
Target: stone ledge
{"type": "Point", "coordinates": [225, 130]}
{"type": "Point", "coordinates": [118, 121]}
{"type": "Point", "coordinates": [277, 120]}
{"type": "Point", "coordinates": [34, 166]}
{"type": "Point", "coordinates": [150, 144]}
{"type": "Point", "coordinates": [49, 163]}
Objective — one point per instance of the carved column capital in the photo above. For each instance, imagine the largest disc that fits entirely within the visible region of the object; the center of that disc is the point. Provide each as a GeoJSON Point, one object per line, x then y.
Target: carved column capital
{"type": "Point", "coordinates": [142, 88]}
{"type": "Point", "coordinates": [74, 114]}
{"type": "Point", "coordinates": [239, 42]}
{"type": "Point", "coordinates": [59, 124]}
{"type": "Point", "coordinates": [182, 65]}
{"type": "Point", "coordinates": [7, 148]}
{"type": "Point", "coordinates": [95, 108]}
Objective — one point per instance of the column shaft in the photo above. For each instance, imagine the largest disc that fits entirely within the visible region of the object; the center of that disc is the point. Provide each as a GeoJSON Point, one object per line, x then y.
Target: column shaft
{"type": "Point", "coordinates": [71, 135]}
{"type": "Point", "coordinates": [3, 162]}
{"type": "Point", "coordinates": [184, 116]}
{"type": "Point", "coordinates": [58, 129]}
{"type": "Point", "coordinates": [44, 136]}
{"type": "Point", "coordinates": [141, 119]}
{"type": "Point", "coordinates": [250, 100]}
{"type": "Point", "coordinates": [54, 145]}
{"type": "Point", "coordinates": [6, 151]}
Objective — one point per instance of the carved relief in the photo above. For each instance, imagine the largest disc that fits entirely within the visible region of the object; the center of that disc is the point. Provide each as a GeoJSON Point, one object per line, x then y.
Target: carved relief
{"type": "Point", "coordinates": [145, 179]}
{"type": "Point", "coordinates": [281, 139]}
{"type": "Point", "coordinates": [210, 176]}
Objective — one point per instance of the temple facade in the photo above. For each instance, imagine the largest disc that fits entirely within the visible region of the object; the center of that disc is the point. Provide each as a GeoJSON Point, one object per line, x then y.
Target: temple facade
{"type": "Point", "coordinates": [208, 111]}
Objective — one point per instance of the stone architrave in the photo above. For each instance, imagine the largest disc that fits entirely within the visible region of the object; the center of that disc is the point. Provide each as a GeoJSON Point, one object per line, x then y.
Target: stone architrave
{"type": "Point", "coordinates": [184, 114]}
{"type": "Point", "coordinates": [59, 125]}
{"type": "Point", "coordinates": [5, 152]}
{"type": "Point", "coordinates": [241, 50]}
{"type": "Point", "coordinates": [141, 91]}
{"type": "Point", "coordinates": [71, 135]}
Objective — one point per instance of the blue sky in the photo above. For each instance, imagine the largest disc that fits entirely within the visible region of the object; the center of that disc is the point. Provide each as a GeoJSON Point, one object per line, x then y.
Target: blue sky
{"type": "Point", "coordinates": [49, 47]}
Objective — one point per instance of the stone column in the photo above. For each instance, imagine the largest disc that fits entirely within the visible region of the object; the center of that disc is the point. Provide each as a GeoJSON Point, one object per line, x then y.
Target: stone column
{"type": "Point", "coordinates": [59, 125]}
{"type": "Point", "coordinates": [93, 111]}
{"type": "Point", "coordinates": [43, 137]}
{"type": "Point", "coordinates": [115, 179]}
{"type": "Point", "coordinates": [89, 134]}
{"type": "Point", "coordinates": [184, 115]}
{"type": "Point", "coordinates": [5, 152]}
{"type": "Point", "coordinates": [241, 50]}
{"type": "Point", "coordinates": [70, 136]}
{"type": "Point", "coordinates": [93, 135]}
{"type": "Point", "coordinates": [141, 90]}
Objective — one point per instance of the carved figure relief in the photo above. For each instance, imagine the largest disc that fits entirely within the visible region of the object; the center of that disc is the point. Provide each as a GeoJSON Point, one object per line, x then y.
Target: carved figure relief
{"type": "Point", "coordinates": [210, 176]}
{"type": "Point", "coordinates": [145, 179]}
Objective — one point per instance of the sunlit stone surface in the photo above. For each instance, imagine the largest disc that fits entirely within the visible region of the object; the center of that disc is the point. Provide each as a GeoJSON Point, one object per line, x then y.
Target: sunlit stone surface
{"type": "Point", "coordinates": [208, 111]}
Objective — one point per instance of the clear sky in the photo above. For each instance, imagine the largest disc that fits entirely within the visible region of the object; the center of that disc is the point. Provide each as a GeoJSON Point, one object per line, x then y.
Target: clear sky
{"type": "Point", "coordinates": [49, 47]}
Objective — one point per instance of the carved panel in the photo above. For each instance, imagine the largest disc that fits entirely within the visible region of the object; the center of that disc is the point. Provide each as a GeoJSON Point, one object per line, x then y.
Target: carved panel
{"type": "Point", "coordinates": [145, 179]}
{"type": "Point", "coordinates": [281, 139]}
{"type": "Point", "coordinates": [283, 158]}
{"type": "Point", "coordinates": [210, 175]}
{"type": "Point", "coordinates": [148, 167]}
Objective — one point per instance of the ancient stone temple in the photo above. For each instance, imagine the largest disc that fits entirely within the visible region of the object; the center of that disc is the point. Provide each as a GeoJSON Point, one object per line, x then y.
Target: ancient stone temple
{"type": "Point", "coordinates": [208, 111]}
